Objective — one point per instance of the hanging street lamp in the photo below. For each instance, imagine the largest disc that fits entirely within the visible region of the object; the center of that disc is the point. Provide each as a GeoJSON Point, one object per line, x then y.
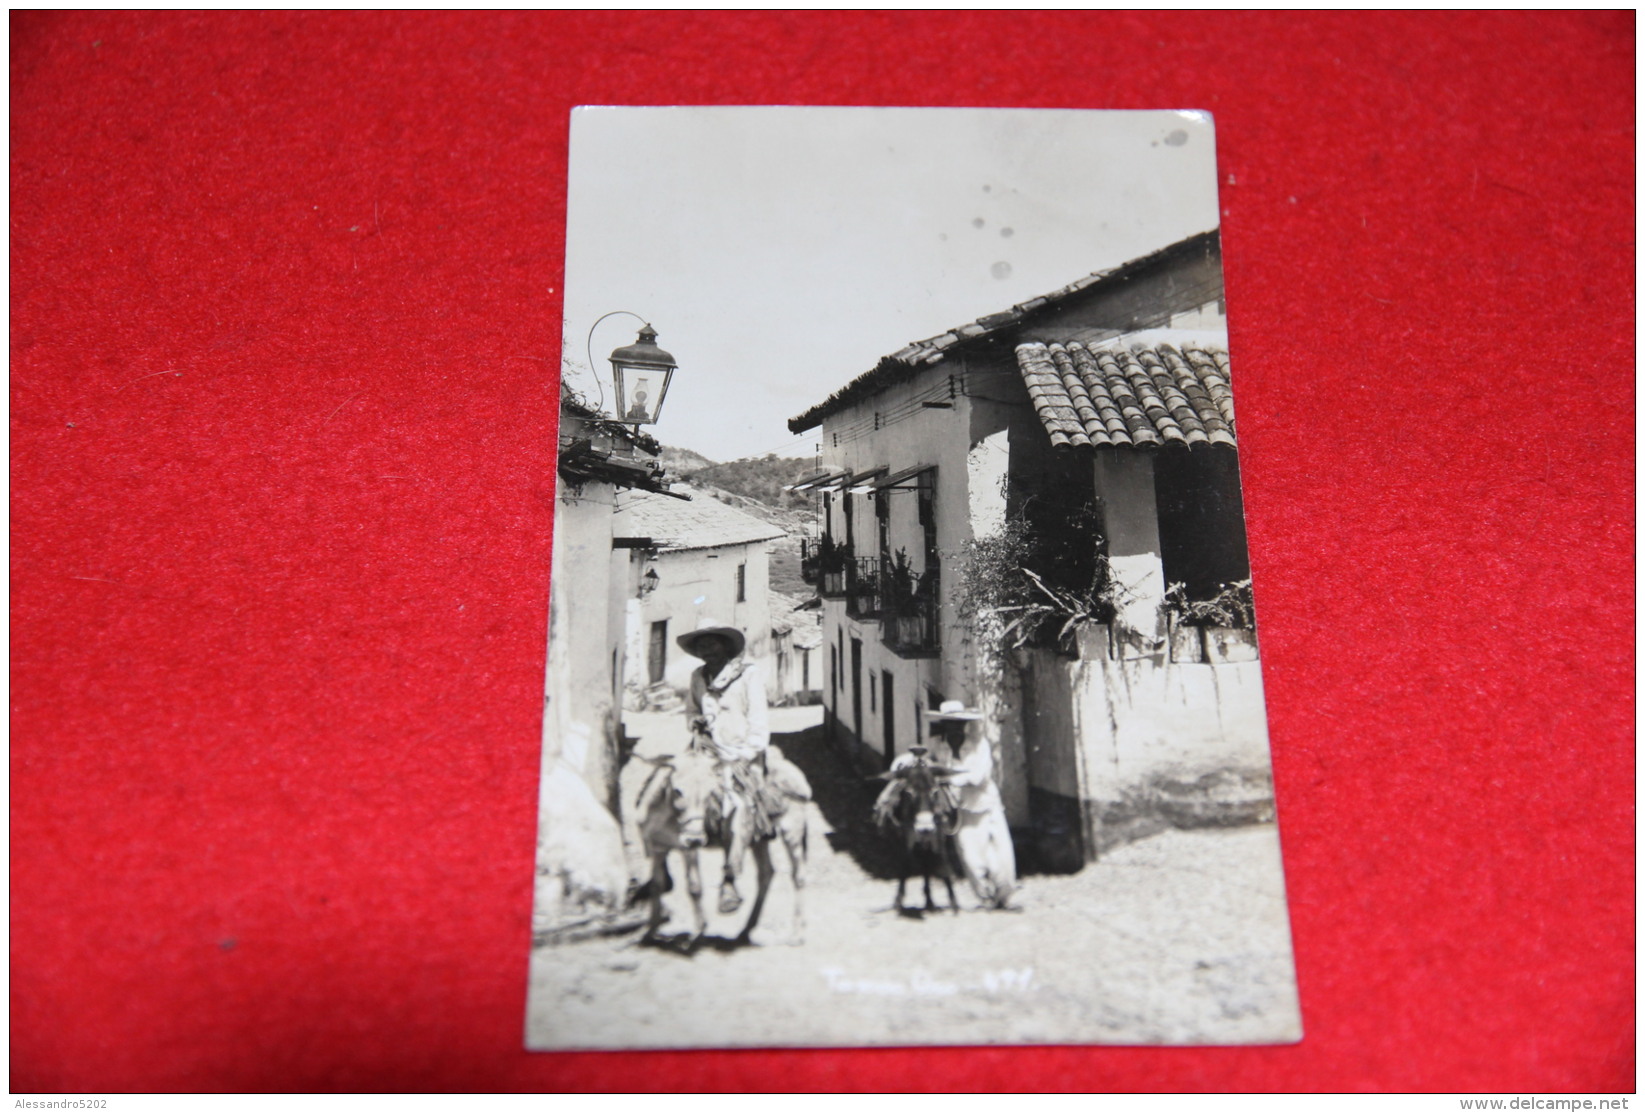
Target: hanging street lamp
{"type": "Point", "coordinates": [642, 372]}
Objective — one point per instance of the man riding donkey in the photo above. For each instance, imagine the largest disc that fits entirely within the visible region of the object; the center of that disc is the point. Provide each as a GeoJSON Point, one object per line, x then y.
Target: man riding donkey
{"type": "Point", "coordinates": [981, 835]}
{"type": "Point", "coordinates": [726, 714]}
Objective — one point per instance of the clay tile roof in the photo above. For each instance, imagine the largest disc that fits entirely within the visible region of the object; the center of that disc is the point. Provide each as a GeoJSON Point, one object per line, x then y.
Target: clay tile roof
{"type": "Point", "coordinates": [702, 523]}
{"type": "Point", "coordinates": [1144, 395]}
{"type": "Point", "coordinates": [903, 363]}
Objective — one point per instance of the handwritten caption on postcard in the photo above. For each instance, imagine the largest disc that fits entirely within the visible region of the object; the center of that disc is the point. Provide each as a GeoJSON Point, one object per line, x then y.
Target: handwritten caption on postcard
{"type": "Point", "coordinates": [920, 983]}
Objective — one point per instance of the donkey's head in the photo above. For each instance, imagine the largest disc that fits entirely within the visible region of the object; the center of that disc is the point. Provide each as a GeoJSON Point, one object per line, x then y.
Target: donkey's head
{"type": "Point", "coordinates": [693, 791]}
{"type": "Point", "coordinates": [923, 810]}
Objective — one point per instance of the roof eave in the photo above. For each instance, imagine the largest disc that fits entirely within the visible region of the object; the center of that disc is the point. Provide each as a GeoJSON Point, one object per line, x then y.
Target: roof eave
{"type": "Point", "coordinates": [909, 360]}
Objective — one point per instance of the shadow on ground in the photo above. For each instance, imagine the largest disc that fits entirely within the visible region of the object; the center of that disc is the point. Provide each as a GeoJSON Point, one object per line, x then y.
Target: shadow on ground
{"type": "Point", "coordinates": [681, 944]}
{"type": "Point", "coordinates": [846, 800]}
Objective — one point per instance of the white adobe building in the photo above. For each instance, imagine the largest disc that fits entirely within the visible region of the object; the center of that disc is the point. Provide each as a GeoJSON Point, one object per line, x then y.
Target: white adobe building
{"type": "Point", "coordinates": [692, 561]}
{"type": "Point", "coordinates": [1105, 403]}
{"type": "Point", "coordinates": [582, 872]}
{"type": "Point", "coordinates": [797, 650]}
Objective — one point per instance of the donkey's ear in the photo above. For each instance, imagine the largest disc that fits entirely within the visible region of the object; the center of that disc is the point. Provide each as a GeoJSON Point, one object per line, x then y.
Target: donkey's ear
{"type": "Point", "coordinates": [664, 759]}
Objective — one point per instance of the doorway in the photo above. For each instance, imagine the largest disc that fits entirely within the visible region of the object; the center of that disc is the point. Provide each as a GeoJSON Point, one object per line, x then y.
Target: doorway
{"type": "Point", "coordinates": [888, 704]}
{"type": "Point", "coordinates": [856, 687]}
{"type": "Point", "coordinates": [656, 656]}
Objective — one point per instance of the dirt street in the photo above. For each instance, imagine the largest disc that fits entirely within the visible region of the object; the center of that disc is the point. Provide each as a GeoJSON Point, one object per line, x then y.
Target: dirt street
{"type": "Point", "coordinates": [1178, 938]}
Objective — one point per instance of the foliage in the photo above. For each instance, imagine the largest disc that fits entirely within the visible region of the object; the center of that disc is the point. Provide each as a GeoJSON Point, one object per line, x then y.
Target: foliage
{"type": "Point", "coordinates": [754, 486]}
{"type": "Point", "coordinates": [1233, 607]}
{"type": "Point", "coordinates": [1014, 589]}
{"type": "Point", "coordinates": [905, 595]}
{"type": "Point", "coordinates": [761, 478]}
{"type": "Point", "coordinates": [899, 585]}
{"type": "Point", "coordinates": [684, 463]}
{"type": "Point", "coordinates": [830, 556]}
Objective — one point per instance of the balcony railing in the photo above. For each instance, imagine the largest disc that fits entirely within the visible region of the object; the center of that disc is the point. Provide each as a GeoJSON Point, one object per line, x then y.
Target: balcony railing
{"type": "Point", "coordinates": [823, 564]}
{"type": "Point", "coordinates": [862, 587]}
{"type": "Point", "coordinates": [909, 625]}
{"type": "Point", "coordinates": [811, 560]}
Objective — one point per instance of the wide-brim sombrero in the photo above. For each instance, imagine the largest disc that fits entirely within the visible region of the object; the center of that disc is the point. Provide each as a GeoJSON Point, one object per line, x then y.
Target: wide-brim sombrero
{"type": "Point", "coordinates": [688, 642]}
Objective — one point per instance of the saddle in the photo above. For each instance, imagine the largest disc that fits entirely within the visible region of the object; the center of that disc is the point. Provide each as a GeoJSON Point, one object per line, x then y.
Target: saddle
{"type": "Point", "coordinates": [759, 796]}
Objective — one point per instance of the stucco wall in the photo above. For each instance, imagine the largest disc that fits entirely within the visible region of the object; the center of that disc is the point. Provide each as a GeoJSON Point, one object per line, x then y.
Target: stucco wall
{"type": "Point", "coordinates": [1054, 726]}
{"type": "Point", "coordinates": [1179, 293]}
{"type": "Point", "coordinates": [909, 435]}
{"type": "Point", "coordinates": [694, 585]}
{"type": "Point", "coordinates": [579, 845]}
{"type": "Point", "coordinates": [1140, 724]}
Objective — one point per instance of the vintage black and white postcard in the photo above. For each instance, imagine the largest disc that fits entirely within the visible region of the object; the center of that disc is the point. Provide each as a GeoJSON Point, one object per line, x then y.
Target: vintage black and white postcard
{"type": "Point", "coordinates": [903, 679]}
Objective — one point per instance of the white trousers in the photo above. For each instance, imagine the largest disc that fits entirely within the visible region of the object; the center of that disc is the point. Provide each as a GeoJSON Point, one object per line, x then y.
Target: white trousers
{"type": "Point", "coordinates": [990, 861]}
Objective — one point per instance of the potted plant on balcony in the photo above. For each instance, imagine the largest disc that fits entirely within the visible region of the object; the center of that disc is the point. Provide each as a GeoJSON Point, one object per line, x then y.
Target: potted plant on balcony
{"type": "Point", "coordinates": [810, 560]}
{"type": "Point", "coordinates": [899, 592]}
{"type": "Point", "coordinates": [831, 562]}
{"type": "Point", "coordinates": [1219, 630]}
{"type": "Point", "coordinates": [909, 602]}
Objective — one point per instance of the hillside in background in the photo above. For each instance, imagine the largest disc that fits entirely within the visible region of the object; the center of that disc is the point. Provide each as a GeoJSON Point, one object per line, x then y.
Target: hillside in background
{"type": "Point", "coordinates": [755, 486]}
{"type": "Point", "coordinates": [682, 462]}
{"type": "Point", "coordinates": [761, 478]}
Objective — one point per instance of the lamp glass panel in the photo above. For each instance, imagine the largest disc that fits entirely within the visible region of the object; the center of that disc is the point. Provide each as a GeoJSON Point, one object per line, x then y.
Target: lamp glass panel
{"type": "Point", "coordinates": [639, 392]}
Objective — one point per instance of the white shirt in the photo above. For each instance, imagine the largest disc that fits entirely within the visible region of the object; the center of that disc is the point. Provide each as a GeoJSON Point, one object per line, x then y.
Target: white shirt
{"type": "Point", "coordinates": [973, 774]}
{"type": "Point", "coordinates": [734, 705]}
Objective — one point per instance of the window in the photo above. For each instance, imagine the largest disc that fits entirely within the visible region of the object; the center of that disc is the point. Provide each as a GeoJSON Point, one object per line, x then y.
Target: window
{"type": "Point", "coordinates": [927, 495]}
{"type": "Point", "coordinates": [742, 583]}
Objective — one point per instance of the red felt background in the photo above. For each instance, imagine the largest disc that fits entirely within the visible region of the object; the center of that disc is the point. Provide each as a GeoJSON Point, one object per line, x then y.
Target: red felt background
{"type": "Point", "coordinates": [285, 312]}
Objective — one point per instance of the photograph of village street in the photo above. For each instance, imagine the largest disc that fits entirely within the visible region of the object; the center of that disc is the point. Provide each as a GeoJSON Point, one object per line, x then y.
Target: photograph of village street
{"type": "Point", "coordinates": [903, 677]}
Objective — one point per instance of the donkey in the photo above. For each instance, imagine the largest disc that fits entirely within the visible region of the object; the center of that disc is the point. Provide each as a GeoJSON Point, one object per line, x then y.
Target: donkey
{"type": "Point", "coordinates": [682, 807]}
{"type": "Point", "coordinates": [673, 808]}
{"type": "Point", "coordinates": [922, 810]}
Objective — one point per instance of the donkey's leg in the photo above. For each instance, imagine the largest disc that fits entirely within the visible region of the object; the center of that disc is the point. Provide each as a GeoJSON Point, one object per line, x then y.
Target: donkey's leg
{"type": "Point", "coordinates": [735, 845]}
{"type": "Point", "coordinates": [794, 843]}
{"type": "Point", "coordinates": [694, 886]}
{"type": "Point", "coordinates": [763, 871]}
{"type": "Point", "coordinates": [659, 876]}
{"type": "Point", "coordinates": [948, 861]}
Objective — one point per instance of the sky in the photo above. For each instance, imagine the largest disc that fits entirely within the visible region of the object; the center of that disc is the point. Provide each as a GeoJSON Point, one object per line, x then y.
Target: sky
{"type": "Point", "coordinates": [780, 252]}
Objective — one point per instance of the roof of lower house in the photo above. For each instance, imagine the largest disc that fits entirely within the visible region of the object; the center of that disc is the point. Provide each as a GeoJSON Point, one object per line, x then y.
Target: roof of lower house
{"type": "Point", "coordinates": [907, 361]}
{"type": "Point", "coordinates": [702, 523]}
{"type": "Point", "coordinates": [787, 618]}
{"type": "Point", "coordinates": [1139, 395]}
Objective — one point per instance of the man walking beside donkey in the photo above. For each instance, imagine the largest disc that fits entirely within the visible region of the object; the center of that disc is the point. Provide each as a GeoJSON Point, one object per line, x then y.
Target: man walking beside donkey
{"type": "Point", "coordinates": [982, 836]}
